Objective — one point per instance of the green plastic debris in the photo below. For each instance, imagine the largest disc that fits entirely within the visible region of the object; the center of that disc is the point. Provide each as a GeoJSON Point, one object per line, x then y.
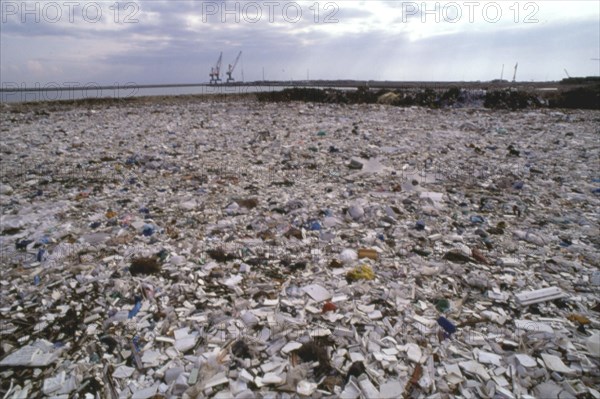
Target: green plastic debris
{"type": "Point", "coordinates": [442, 305]}
{"type": "Point", "coordinates": [321, 133]}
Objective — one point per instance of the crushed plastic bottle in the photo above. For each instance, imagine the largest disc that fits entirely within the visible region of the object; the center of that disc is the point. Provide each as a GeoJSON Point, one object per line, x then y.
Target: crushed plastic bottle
{"type": "Point", "coordinates": [447, 325]}
{"type": "Point", "coordinates": [136, 308]}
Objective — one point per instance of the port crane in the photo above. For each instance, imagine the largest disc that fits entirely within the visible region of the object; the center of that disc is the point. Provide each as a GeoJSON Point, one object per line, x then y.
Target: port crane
{"type": "Point", "coordinates": [515, 73]}
{"type": "Point", "coordinates": [215, 72]}
{"type": "Point", "coordinates": [232, 68]}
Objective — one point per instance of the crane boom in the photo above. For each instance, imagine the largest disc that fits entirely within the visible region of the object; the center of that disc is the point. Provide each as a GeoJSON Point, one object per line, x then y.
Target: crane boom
{"type": "Point", "coordinates": [219, 61]}
{"type": "Point", "coordinates": [232, 67]}
{"type": "Point", "coordinates": [515, 74]}
{"type": "Point", "coordinates": [236, 61]}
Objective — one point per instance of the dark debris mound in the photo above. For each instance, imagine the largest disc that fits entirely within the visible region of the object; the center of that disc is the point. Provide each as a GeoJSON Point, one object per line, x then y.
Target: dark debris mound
{"type": "Point", "coordinates": [510, 99]}
{"type": "Point", "coordinates": [149, 265]}
{"type": "Point", "coordinates": [315, 352]}
{"type": "Point", "coordinates": [587, 97]}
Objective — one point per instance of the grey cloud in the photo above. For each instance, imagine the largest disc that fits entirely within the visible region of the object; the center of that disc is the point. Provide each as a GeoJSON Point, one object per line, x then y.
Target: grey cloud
{"type": "Point", "coordinates": [185, 54]}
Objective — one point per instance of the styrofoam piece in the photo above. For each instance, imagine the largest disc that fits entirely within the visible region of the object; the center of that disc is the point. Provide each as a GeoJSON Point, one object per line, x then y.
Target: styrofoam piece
{"type": "Point", "coordinates": [542, 295]}
{"type": "Point", "coordinates": [317, 292]}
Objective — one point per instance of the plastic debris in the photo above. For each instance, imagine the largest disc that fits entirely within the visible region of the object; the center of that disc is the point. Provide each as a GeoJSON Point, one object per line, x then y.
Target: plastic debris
{"type": "Point", "coordinates": [329, 307]}
{"type": "Point", "coordinates": [42, 353]}
{"type": "Point", "coordinates": [317, 292]}
{"type": "Point", "coordinates": [368, 253]}
{"type": "Point", "coordinates": [362, 272]}
{"type": "Point", "coordinates": [541, 295]}
{"type": "Point", "coordinates": [442, 305]}
{"type": "Point", "coordinates": [556, 364]}
{"type": "Point", "coordinates": [407, 252]}
{"type": "Point", "coordinates": [447, 325]}
{"type": "Point", "coordinates": [136, 307]}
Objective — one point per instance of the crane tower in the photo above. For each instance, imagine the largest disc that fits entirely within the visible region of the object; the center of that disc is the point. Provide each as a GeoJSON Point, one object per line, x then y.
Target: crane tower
{"type": "Point", "coordinates": [232, 68]}
{"type": "Point", "coordinates": [215, 72]}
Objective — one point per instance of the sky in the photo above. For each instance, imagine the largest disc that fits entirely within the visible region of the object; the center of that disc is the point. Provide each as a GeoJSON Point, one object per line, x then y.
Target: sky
{"type": "Point", "coordinates": [74, 42]}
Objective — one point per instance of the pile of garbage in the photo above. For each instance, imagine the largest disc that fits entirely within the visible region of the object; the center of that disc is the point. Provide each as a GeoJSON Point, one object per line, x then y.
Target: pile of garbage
{"type": "Point", "coordinates": [512, 98]}
{"type": "Point", "coordinates": [243, 249]}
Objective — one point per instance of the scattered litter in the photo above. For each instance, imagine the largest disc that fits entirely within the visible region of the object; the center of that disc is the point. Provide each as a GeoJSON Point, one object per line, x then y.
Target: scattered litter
{"type": "Point", "coordinates": [40, 354]}
{"type": "Point", "coordinates": [447, 325]}
{"type": "Point", "coordinates": [541, 295]}
{"type": "Point", "coordinates": [362, 272]}
{"type": "Point", "coordinates": [525, 360]}
{"type": "Point", "coordinates": [556, 364]}
{"type": "Point", "coordinates": [368, 253]}
{"type": "Point", "coordinates": [475, 368]}
{"type": "Point", "coordinates": [317, 292]}
{"type": "Point", "coordinates": [533, 326]}
{"type": "Point", "coordinates": [228, 249]}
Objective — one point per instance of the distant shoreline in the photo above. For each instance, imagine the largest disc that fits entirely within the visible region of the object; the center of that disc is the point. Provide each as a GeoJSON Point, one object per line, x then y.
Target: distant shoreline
{"type": "Point", "coordinates": [500, 95]}
{"type": "Point", "coordinates": [6, 87]}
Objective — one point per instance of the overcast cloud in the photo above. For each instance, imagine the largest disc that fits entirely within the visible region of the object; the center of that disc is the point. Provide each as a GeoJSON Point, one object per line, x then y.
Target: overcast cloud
{"type": "Point", "coordinates": [149, 42]}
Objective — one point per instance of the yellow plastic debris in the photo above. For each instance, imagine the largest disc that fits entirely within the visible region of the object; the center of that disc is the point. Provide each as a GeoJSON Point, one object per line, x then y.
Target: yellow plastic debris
{"type": "Point", "coordinates": [362, 272]}
{"type": "Point", "coordinates": [574, 317]}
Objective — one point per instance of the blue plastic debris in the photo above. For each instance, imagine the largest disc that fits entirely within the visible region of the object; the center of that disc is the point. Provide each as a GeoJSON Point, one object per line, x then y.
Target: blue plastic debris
{"type": "Point", "coordinates": [381, 237]}
{"type": "Point", "coordinates": [44, 240]}
{"type": "Point", "coordinates": [314, 225]}
{"type": "Point", "coordinates": [131, 161]}
{"type": "Point", "coordinates": [135, 349]}
{"type": "Point", "coordinates": [144, 210]}
{"type": "Point", "coordinates": [596, 191]}
{"type": "Point", "coordinates": [40, 255]}
{"type": "Point", "coordinates": [95, 225]}
{"type": "Point", "coordinates": [446, 325]}
{"type": "Point", "coordinates": [420, 225]}
{"type": "Point", "coordinates": [36, 280]}
{"type": "Point", "coordinates": [518, 185]}
{"type": "Point", "coordinates": [136, 342]}
{"type": "Point", "coordinates": [476, 219]}
{"type": "Point", "coordinates": [136, 307]}
{"type": "Point", "coordinates": [148, 230]}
